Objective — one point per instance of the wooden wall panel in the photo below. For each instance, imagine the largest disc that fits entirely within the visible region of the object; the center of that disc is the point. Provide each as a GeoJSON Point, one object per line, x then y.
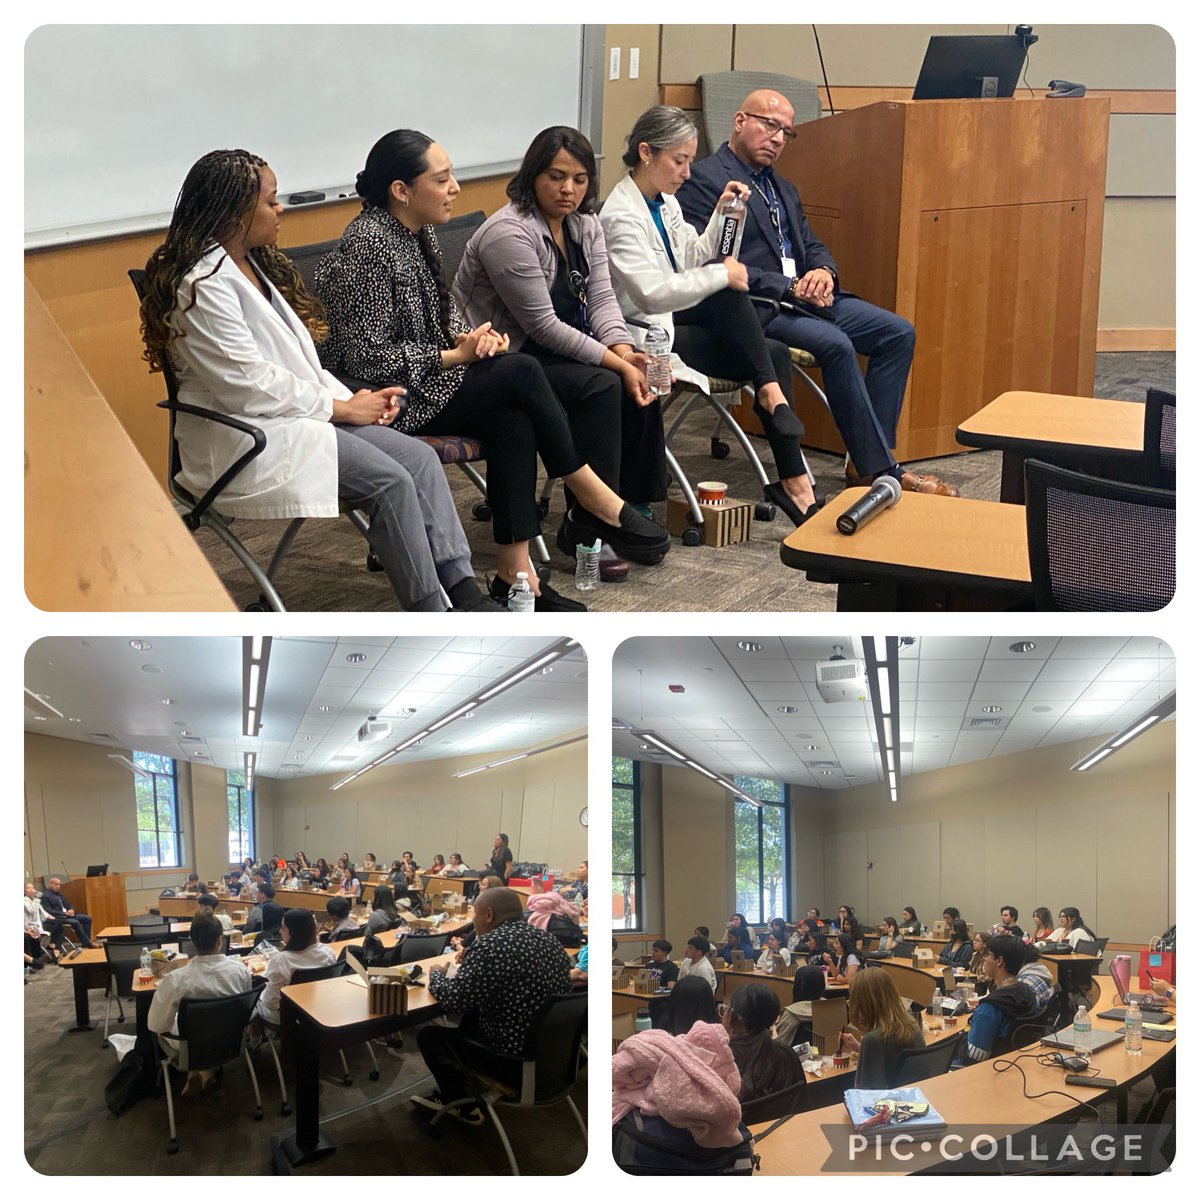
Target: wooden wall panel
{"type": "Point", "coordinates": [964, 850]}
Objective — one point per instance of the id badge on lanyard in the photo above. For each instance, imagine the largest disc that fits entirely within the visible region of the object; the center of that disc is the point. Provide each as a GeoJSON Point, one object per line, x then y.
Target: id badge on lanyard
{"type": "Point", "coordinates": [789, 267]}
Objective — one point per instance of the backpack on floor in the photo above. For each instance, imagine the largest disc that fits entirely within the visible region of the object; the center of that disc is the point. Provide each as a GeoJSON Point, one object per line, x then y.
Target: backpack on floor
{"type": "Point", "coordinates": [645, 1145]}
{"type": "Point", "coordinates": [128, 1085]}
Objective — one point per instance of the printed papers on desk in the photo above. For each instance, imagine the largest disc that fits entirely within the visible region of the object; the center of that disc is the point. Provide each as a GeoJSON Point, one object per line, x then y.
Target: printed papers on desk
{"type": "Point", "coordinates": [907, 1111]}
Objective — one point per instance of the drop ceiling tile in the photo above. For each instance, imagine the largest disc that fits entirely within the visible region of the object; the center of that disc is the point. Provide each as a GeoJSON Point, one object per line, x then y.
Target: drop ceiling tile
{"type": "Point", "coordinates": [948, 671]}
{"type": "Point", "coordinates": [999, 692]}
{"type": "Point", "coordinates": [1083, 670]}
{"type": "Point", "coordinates": [940, 708]}
{"type": "Point", "coordinates": [1014, 667]}
{"type": "Point", "coordinates": [966, 648]}
{"type": "Point", "coordinates": [1139, 670]}
{"type": "Point", "coordinates": [758, 670]}
{"type": "Point", "coordinates": [944, 691]}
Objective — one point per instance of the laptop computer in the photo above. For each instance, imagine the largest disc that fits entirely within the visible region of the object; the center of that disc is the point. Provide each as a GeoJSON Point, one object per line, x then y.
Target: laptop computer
{"type": "Point", "coordinates": [1101, 1039]}
{"type": "Point", "coordinates": [1120, 969]}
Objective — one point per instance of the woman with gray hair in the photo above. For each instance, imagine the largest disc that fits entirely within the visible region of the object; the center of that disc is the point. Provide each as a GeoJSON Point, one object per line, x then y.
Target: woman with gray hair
{"type": "Point", "coordinates": [667, 274]}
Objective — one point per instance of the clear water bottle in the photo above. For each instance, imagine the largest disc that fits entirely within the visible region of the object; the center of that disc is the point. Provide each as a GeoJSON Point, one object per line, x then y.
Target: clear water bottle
{"type": "Point", "coordinates": [935, 1005]}
{"type": "Point", "coordinates": [1083, 1034]}
{"type": "Point", "coordinates": [520, 595]}
{"type": "Point", "coordinates": [146, 959]}
{"type": "Point", "coordinates": [587, 566]}
{"type": "Point", "coordinates": [657, 345]}
{"type": "Point", "coordinates": [733, 222]}
{"type": "Point", "coordinates": [1133, 1030]}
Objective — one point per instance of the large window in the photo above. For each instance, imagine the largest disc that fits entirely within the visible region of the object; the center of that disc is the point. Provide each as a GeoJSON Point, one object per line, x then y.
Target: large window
{"type": "Point", "coordinates": [241, 816]}
{"type": "Point", "coordinates": [760, 855]}
{"type": "Point", "coordinates": [627, 877]}
{"type": "Point", "coordinates": [157, 811]}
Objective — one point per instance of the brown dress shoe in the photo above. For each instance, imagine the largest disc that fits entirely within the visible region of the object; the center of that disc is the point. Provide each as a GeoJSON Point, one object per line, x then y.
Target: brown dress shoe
{"type": "Point", "coordinates": [910, 481]}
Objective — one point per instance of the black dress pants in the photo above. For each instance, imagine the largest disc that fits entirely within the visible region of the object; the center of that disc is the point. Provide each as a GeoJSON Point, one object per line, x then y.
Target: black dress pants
{"type": "Point", "coordinates": [722, 336]}
{"type": "Point", "coordinates": [435, 1042]}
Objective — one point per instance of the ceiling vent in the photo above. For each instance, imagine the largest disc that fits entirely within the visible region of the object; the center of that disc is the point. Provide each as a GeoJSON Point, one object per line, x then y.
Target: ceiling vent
{"type": "Point", "coordinates": [189, 741]}
{"type": "Point", "coordinates": [823, 766]}
{"type": "Point", "coordinates": [984, 723]}
{"type": "Point", "coordinates": [102, 737]}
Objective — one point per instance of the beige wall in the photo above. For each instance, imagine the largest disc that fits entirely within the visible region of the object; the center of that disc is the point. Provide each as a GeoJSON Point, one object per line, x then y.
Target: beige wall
{"type": "Point", "coordinates": [1021, 829]}
{"type": "Point", "coordinates": [421, 808]}
{"type": "Point", "coordinates": [626, 99]}
{"type": "Point", "coordinates": [1138, 266]}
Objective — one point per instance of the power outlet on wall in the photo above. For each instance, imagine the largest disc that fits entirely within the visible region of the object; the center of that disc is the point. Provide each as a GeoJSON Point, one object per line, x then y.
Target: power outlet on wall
{"type": "Point", "coordinates": [614, 62]}
{"type": "Point", "coordinates": [635, 57]}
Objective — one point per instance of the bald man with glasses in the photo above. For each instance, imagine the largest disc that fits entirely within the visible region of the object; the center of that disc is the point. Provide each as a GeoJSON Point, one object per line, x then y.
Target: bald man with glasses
{"type": "Point", "coordinates": [787, 263]}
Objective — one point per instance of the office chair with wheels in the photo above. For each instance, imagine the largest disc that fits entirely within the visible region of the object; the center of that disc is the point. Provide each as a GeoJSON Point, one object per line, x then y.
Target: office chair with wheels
{"type": "Point", "coordinates": [924, 1062]}
{"type": "Point", "coordinates": [783, 1103]}
{"type": "Point", "coordinates": [212, 1032]}
{"type": "Point", "coordinates": [149, 922]}
{"type": "Point", "coordinates": [201, 512]}
{"type": "Point", "coordinates": [548, 1067]}
{"type": "Point", "coordinates": [124, 958]}
{"type": "Point", "coordinates": [271, 1035]}
{"type": "Point", "coordinates": [1096, 545]}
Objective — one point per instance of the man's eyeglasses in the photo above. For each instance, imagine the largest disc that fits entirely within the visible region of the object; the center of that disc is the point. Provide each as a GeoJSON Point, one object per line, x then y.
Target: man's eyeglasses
{"type": "Point", "coordinates": [773, 127]}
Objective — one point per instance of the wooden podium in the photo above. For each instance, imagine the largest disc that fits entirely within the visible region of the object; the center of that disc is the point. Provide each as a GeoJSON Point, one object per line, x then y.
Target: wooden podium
{"type": "Point", "coordinates": [102, 897]}
{"type": "Point", "coordinates": [981, 222]}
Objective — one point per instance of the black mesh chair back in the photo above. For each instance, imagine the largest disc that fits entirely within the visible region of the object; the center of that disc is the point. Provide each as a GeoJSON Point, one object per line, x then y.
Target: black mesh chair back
{"type": "Point", "coordinates": [141, 937]}
{"type": "Point", "coordinates": [188, 949]}
{"type": "Point", "coordinates": [124, 958]}
{"type": "Point", "coordinates": [146, 926]}
{"type": "Point", "coordinates": [344, 935]}
{"type": "Point", "coordinates": [452, 241]}
{"type": "Point", "coordinates": [316, 974]}
{"type": "Point", "coordinates": [784, 1103]}
{"type": "Point", "coordinates": [553, 1043]}
{"type": "Point", "coordinates": [924, 1062]}
{"type": "Point", "coordinates": [306, 258]}
{"type": "Point", "coordinates": [213, 1028]}
{"type": "Point", "coordinates": [418, 945]}
{"type": "Point", "coordinates": [1158, 444]}
{"type": "Point", "coordinates": [1096, 545]}
{"type": "Point", "coordinates": [904, 950]}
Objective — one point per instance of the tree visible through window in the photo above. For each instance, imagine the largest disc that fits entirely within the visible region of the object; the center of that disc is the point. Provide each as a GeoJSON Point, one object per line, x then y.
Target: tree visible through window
{"type": "Point", "coordinates": [760, 850]}
{"type": "Point", "coordinates": [241, 816]}
{"type": "Point", "coordinates": [157, 810]}
{"type": "Point", "coordinates": [626, 844]}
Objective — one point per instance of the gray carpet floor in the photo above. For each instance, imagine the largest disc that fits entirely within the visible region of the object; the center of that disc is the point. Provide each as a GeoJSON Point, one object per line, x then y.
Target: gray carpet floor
{"type": "Point", "coordinates": [325, 568]}
{"type": "Point", "coordinates": [68, 1130]}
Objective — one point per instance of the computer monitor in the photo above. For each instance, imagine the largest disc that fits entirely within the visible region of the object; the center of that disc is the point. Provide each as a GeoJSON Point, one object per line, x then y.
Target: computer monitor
{"type": "Point", "coordinates": [97, 869]}
{"type": "Point", "coordinates": [964, 67]}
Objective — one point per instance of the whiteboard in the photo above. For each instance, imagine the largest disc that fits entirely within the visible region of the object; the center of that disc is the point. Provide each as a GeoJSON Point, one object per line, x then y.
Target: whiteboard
{"type": "Point", "coordinates": [116, 114]}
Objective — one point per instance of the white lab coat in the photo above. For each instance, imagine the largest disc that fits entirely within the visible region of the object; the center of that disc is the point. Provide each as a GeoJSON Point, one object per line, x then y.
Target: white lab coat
{"type": "Point", "coordinates": [648, 288]}
{"type": "Point", "coordinates": [253, 359]}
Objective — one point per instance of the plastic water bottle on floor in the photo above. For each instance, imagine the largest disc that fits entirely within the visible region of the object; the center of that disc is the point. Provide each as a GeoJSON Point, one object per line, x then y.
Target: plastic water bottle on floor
{"type": "Point", "coordinates": [1083, 1034]}
{"type": "Point", "coordinates": [1133, 1030]}
{"type": "Point", "coordinates": [658, 349]}
{"type": "Point", "coordinates": [520, 595]}
{"type": "Point", "coordinates": [587, 566]}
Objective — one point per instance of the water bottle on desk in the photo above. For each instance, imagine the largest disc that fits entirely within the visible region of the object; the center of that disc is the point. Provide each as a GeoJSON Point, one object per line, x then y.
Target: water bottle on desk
{"type": "Point", "coordinates": [587, 566]}
{"type": "Point", "coordinates": [1133, 1029]}
{"type": "Point", "coordinates": [145, 958]}
{"type": "Point", "coordinates": [658, 371]}
{"type": "Point", "coordinates": [1083, 1034]}
{"type": "Point", "coordinates": [520, 595]}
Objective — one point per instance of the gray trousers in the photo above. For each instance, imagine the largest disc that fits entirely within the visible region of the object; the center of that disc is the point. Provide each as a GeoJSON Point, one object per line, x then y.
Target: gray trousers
{"type": "Point", "coordinates": [415, 531]}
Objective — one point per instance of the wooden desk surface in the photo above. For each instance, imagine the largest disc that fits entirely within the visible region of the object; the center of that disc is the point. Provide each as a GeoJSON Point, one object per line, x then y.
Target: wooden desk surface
{"type": "Point", "coordinates": [100, 532]}
{"type": "Point", "coordinates": [976, 1095]}
{"type": "Point", "coordinates": [125, 930]}
{"type": "Point", "coordinates": [1041, 417]}
{"type": "Point", "coordinates": [956, 540]}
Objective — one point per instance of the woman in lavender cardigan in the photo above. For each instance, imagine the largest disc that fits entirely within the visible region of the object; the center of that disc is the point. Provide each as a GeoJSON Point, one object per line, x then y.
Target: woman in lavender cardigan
{"type": "Point", "coordinates": [537, 270]}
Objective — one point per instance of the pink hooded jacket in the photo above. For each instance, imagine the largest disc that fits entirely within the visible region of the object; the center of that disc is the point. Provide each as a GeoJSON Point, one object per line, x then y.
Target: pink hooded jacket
{"type": "Point", "coordinates": [544, 905]}
{"type": "Point", "coordinates": [690, 1081]}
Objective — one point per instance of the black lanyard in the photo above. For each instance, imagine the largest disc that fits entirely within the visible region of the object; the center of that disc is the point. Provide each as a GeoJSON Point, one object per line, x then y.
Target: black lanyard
{"type": "Point", "coordinates": [773, 207]}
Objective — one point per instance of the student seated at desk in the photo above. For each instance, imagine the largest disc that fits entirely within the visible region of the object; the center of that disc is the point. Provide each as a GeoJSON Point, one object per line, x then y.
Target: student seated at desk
{"type": "Point", "coordinates": [766, 1066]}
{"type": "Point", "coordinates": [577, 888]}
{"type": "Point", "coordinates": [192, 886]}
{"type": "Point", "coordinates": [254, 918]}
{"type": "Point", "coordinates": [795, 1022]}
{"type": "Point", "coordinates": [290, 880]}
{"type": "Point", "coordinates": [813, 946]}
{"type": "Point", "coordinates": [949, 916]}
{"type": "Point", "coordinates": [909, 921]}
{"type": "Point", "coordinates": [500, 986]}
{"type": "Point", "coordinates": [1043, 926]}
{"type": "Point", "coordinates": [437, 867]}
{"type": "Point", "coordinates": [842, 959]}
{"type": "Point", "coordinates": [302, 863]}
{"type": "Point", "coordinates": [1036, 976]}
{"type": "Point", "coordinates": [1007, 1005]}
{"type": "Point", "coordinates": [300, 951]}
{"type": "Point", "coordinates": [691, 1000]}
{"type": "Point", "coordinates": [772, 948]}
{"type": "Point", "coordinates": [208, 902]}
{"type": "Point", "coordinates": [957, 951]}
{"type": "Point", "coordinates": [338, 908]}
{"type": "Point", "coordinates": [369, 863]}
{"type": "Point", "coordinates": [742, 931]}
{"type": "Point", "coordinates": [1008, 922]}
{"type": "Point", "coordinates": [384, 913]}
{"type": "Point", "coordinates": [208, 974]}
{"type": "Point", "coordinates": [321, 872]}
{"type": "Point", "coordinates": [351, 884]}
{"type": "Point", "coordinates": [889, 938]}
{"type": "Point", "coordinates": [779, 927]}
{"type": "Point", "coordinates": [701, 931]}
{"type": "Point", "coordinates": [1070, 928]}
{"type": "Point", "coordinates": [456, 866]}
{"type": "Point", "coordinates": [695, 963]}
{"type": "Point", "coordinates": [272, 924]}
{"type": "Point", "coordinates": [875, 1007]}
{"type": "Point", "coordinates": [660, 964]}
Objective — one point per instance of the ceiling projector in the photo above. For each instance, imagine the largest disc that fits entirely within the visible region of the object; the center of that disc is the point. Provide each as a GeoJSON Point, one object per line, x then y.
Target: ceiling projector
{"type": "Point", "coordinates": [841, 678]}
{"type": "Point", "coordinates": [373, 730]}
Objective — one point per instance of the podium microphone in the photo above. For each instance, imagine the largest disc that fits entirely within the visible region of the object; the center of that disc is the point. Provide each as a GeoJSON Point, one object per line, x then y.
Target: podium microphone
{"type": "Point", "coordinates": [885, 492]}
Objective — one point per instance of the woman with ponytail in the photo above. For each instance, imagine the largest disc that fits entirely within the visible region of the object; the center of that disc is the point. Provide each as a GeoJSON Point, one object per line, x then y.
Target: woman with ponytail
{"type": "Point", "coordinates": [393, 321]}
{"type": "Point", "coordinates": [229, 312]}
{"type": "Point", "coordinates": [766, 1065]}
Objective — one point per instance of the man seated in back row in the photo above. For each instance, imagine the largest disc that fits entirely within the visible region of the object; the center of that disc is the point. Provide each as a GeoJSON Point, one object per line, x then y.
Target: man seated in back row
{"type": "Point", "coordinates": [62, 916]}
{"type": "Point", "coordinates": [787, 263]}
{"type": "Point", "coordinates": [504, 977]}
{"type": "Point", "coordinates": [695, 961]}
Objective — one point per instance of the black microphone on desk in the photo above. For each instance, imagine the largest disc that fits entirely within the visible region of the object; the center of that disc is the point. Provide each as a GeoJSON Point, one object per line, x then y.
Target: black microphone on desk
{"type": "Point", "coordinates": [885, 492]}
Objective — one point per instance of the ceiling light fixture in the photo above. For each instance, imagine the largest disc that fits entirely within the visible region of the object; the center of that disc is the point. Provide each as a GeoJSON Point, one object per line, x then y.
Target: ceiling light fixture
{"type": "Point", "coordinates": [39, 708]}
{"type": "Point", "coordinates": [787, 708]}
{"type": "Point", "coordinates": [559, 649]}
{"type": "Point", "coordinates": [993, 708]}
{"type": "Point", "coordinates": [136, 644]}
{"type": "Point", "coordinates": [250, 758]}
{"type": "Point", "coordinates": [883, 680]}
{"type": "Point", "coordinates": [1023, 647]}
{"type": "Point", "coordinates": [1163, 708]}
{"type": "Point", "coordinates": [256, 653]}
{"type": "Point", "coordinates": [356, 658]}
{"type": "Point", "coordinates": [750, 647]}
{"type": "Point", "coordinates": [130, 764]}
{"type": "Point", "coordinates": [579, 737]}
{"type": "Point", "coordinates": [723, 780]}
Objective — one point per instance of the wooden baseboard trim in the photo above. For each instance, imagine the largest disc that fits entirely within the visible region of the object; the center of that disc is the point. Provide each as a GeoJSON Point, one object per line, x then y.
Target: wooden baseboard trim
{"type": "Point", "coordinates": [1109, 340]}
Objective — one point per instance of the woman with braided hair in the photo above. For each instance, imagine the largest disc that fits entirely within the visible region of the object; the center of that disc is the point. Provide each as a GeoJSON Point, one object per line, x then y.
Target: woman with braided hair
{"type": "Point", "coordinates": [393, 321]}
{"type": "Point", "coordinates": [229, 311]}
